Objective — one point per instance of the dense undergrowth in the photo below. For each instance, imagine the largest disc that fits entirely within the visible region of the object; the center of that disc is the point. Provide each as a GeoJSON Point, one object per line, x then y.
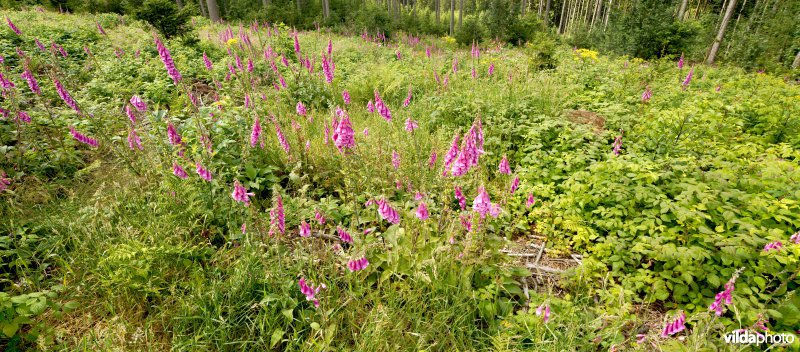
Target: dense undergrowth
{"type": "Point", "coordinates": [666, 196]}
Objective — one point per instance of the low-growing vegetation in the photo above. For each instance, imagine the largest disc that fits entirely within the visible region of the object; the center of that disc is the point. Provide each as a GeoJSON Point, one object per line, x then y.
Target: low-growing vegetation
{"type": "Point", "coordinates": [254, 187]}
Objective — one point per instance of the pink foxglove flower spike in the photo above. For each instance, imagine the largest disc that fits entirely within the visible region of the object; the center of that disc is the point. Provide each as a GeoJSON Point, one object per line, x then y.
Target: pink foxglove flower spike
{"type": "Point", "coordinates": [305, 229]}
{"type": "Point", "coordinates": [240, 194]}
{"type": "Point", "coordinates": [357, 264]}
{"type": "Point", "coordinates": [177, 170]}
{"type": "Point", "coordinates": [675, 326]}
{"type": "Point", "coordinates": [422, 211]}
{"type": "Point", "coordinates": [277, 216]}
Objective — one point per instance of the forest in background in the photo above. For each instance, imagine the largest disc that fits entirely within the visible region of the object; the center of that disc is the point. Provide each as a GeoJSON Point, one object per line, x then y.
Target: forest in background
{"type": "Point", "coordinates": [753, 34]}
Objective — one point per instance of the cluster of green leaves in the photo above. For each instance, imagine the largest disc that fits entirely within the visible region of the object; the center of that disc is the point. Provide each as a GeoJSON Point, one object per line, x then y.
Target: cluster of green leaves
{"type": "Point", "coordinates": [697, 192]}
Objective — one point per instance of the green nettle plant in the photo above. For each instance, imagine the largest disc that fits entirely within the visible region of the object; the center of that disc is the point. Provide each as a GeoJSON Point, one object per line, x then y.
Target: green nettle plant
{"type": "Point", "coordinates": [268, 188]}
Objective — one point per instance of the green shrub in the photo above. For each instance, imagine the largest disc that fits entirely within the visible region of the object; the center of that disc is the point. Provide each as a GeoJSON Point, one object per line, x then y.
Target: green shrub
{"type": "Point", "coordinates": [470, 31]}
{"type": "Point", "coordinates": [165, 16]}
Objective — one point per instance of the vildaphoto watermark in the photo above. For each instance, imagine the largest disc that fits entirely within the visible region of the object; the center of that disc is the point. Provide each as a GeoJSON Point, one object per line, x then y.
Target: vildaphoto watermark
{"type": "Point", "coordinates": [746, 337]}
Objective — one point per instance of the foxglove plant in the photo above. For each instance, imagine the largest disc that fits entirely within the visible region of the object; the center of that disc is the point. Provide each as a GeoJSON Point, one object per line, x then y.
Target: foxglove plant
{"type": "Point", "coordinates": [466, 223]}
{"type": "Point", "coordinates": [343, 134]}
{"type": "Point", "coordinates": [32, 83]}
{"type": "Point", "coordinates": [255, 133]}
{"type": "Point", "coordinates": [296, 44]}
{"type": "Point", "coordinates": [240, 194]}
{"type": "Point", "coordinates": [481, 204]}
{"type": "Point", "coordinates": [795, 238]}
{"type": "Point", "coordinates": [407, 101]}
{"type": "Point", "coordinates": [395, 160]}
{"type": "Point", "coordinates": [383, 110]}
{"type": "Point", "coordinates": [23, 116]}
{"type": "Point", "coordinates": [13, 26]}
{"type": "Point", "coordinates": [319, 217]}
{"type": "Point", "coordinates": [172, 135]}
{"type": "Point", "coordinates": [166, 58]}
{"type": "Point", "coordinates": [432, 159]}
{"type": "Point", "coordinates": [310, 291]}
{"type": "Point", "coordinates": [503, 168]}
{"type": "Point", "coordinates": [531, 200]}
{"type": "Point", "coordinates": [544, 311]}
{"type": "Point", "coordinates": [343, 235]}
{"type": "Point", "coordinates": [688, 79]}
{"type": "Point", "coordinates": [462, 201]}
{"type": "Point", "coordinates": [177, 170]}
{"type": "Point", "coordinates": [5, 83]}
{"type": "Point", "coordinates": [675, 326]}
{"type": "Point", "coordinates": [203, 172]}
{"type": "Point", "coordinates": [281, 138]}
{"type": "Point", "coordinates": [207, 62]}
{"type": "Point", "coordinates": [647, 95]}
{"type": "Point", "coordinates": [305, 229]}
{"type": "Point", "coordinates": [617, 143]}
{"type": "Point", "coordinates": [725, 297]}
{"type": "Point", "coordinates": [514, 184]}
{"type": "Point", "coordinates": [451, 155]}
{"type": "Point", "coordinates": [327, 69]}
{"type": "Point", "coordinates": [357, 264]}
{"type": "Point", "coordinates": [346, 97]}
{"type": "Point", "coordinates": [276, 215]}
{"type": "Point", "coordinates": [62, 92]}
{"type": "Point", "coordinates": [773, 246]}
{"type": "Point", "coordinates": [388, 213]}
{"type": "Point", "coordinates": [422, 211]}
{"type": "Point", "coordinates": [491, 69]}
{"type": "Point", "coordinates": [300, 108]}
{"type": "Point", "coordinates": [5, 181]}
{"type": "Point", "coordinates": [80, 137]}
{"type": "Point", "coordinates": [134, 142]}
{"type": "Point", "coordinates": [411, 125]}
{"type": "Point", "coordinates": [138, 103]}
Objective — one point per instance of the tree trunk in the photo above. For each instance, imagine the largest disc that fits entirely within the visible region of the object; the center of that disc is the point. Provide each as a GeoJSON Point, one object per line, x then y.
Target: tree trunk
{"type": "Point", "coordinates": [203, 8]}
{"type": "Point", "coordinates": [608, 14]}
{"type": "Point", "coordinates": [541, 8]}
{"type": "Point", "coordinates": [460, 12]}
{"type": "Point", "coordinates": [438, 4]}
{"type": "Point", "coordinates": [735, 28]}
{"type": "Point", "coordinates": [796, 60]}
{"type": "Point", "coordinates": [522, 7]}
{"type": "Point", "coordinates": [452, 15]}
{"type": "Point", "coordinates": [213, 10]}
{"type": "Point", "coordinates": [715, 46]}
{"type": "Point", "coordinates": [598, 7]}
{"type": "Point", "coordinates": [682, 10]}
{"type": "Point", "coordinates": [561, 18]}
{"type": "Point", "coordinates": [547, 13]}
{"type": "Point", "coordinates": [180, 3]}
